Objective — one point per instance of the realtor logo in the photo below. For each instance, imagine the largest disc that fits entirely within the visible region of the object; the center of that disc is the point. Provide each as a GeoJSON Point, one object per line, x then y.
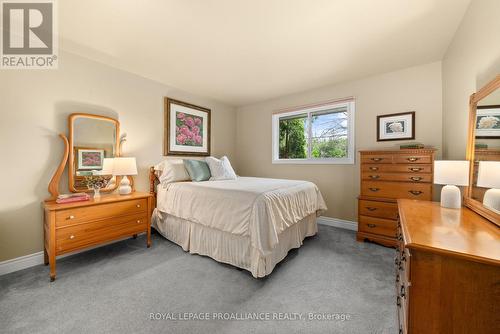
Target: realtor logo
{"type": "Point", "coordinates": [29, 39]}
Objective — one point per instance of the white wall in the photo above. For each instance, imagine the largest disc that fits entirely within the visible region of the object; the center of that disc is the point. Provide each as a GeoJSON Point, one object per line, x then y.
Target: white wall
{"type": "Point", "coordinates": [472, 59]}
{"type": "Point", "coordinates": [412, 89]}
{"type": "Point", "coordinates": [34, 107]}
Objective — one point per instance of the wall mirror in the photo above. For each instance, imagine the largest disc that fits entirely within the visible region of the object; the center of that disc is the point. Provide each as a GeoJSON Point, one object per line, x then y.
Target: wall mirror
{"type": "Point", "coordinates": [92, 139]}
{"type": "Point", "coordinates": [483, 152]}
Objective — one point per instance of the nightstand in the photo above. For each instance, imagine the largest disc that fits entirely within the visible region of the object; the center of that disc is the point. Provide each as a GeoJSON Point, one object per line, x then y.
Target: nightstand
{"type": "Point", "coordinates": [75, 226]}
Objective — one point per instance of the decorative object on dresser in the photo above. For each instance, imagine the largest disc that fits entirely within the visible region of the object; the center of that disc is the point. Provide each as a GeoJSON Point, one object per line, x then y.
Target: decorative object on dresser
{"type": "Point", "coordinates": [124, 167]}
{"type": "Point", "coordinates": [75, 226]}
{"type": "Point", "coordinates": [186, 129]}
{"type": "Point", "coordinates": [451, 173]}
{"type": "Point", "coordinates": [483, 145]}
{"type": "Point", "coordinates": [447, 270]}
{"type": "Point", "coordinates": [399, 126]}
{"type": "Point", "coordinates": [385, 177]}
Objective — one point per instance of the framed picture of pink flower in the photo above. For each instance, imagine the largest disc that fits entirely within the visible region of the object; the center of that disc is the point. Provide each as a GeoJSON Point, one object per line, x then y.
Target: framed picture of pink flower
{"type": "Point", "coordinates": [89, 158]}
{"type": "Point", "coordinates": [186, 130]}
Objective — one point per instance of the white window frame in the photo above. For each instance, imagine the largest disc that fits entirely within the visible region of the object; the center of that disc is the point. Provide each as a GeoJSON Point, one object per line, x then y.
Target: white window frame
{"type": "Point", "coordinates": [349, 160]}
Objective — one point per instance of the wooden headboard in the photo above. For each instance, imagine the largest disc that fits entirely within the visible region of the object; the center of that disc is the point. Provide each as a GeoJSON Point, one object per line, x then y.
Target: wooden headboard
{"type": "Point", "coordinates": [153, 182]}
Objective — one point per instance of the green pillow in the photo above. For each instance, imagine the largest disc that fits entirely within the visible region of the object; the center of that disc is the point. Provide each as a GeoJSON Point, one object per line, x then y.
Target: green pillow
{"type": "Point", "coordinates": [197, 169]}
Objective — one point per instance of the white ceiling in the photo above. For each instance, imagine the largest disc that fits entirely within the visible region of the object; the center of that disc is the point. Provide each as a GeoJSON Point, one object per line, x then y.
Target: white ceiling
{"type": "Point", "coordinates": [245, 51]}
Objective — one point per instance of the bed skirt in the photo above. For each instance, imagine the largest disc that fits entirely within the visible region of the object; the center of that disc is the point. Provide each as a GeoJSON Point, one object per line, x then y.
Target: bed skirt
{"type": "Point", "coordinates": [229, 248]}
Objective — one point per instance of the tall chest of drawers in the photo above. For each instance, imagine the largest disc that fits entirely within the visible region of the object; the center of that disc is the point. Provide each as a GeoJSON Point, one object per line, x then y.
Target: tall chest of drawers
{"type": "Point", "coordinates": [75, 226]}
{"type": "Point", "coordinates": [385, 177]}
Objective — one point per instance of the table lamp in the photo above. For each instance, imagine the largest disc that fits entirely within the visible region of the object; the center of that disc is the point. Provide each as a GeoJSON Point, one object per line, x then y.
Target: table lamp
{"type": "Point", "coordinates": [489, 177]}
{"type": "Point", "coordinates": [451, 174]}
{"type": "Point", "coordinates": [124, 167]}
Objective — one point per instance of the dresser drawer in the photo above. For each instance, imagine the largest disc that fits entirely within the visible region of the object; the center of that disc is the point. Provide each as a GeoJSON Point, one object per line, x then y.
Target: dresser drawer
{"type": "Point", "coordinates": [377, 226]}
{"type": "Point", "coordinates": [412, 158]}
{"type": "Point", "coordinates": [83, 235]}
{"type": "Point", "coordinates": [378, 209]}
{"type": "Point", "coordinates": [397, 168]}
{"type": "Point", "coordinates": [420, 191]}
{"type": "Point", "coordinates": [100, 211]}
{"type": "Point", "coordinates": [404, 177]}
{"type": "Point", "coordinates": [378, 158]}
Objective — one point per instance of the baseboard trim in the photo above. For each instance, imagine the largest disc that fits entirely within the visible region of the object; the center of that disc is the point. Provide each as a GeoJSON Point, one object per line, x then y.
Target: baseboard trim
{"type": "Point", "coordinates": [35, 259]}
{"type": "Point", "coordinates": [20, 263]}
{"type": "Point", "coordinates": [336, 222]}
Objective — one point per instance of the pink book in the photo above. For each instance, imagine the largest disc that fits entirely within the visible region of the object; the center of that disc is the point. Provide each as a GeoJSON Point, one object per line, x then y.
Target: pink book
{"type": "Point", "coordinates": [73, 199]}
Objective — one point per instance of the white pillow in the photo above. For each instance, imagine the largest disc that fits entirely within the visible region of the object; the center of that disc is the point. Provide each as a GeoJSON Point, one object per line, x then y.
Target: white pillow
{"type": "Point", "coordinates": [172, 170]}
{"type": "Point", "coordinates": [220, 169]}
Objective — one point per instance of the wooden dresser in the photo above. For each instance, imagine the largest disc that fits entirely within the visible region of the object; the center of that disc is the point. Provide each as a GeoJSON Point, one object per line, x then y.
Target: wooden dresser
{"type": "Point", "coordinates": [447, 270]}
{"type": "Point", "coordinates": [75, 226]}
{"type": "Point", "coordinates": [385, 177]}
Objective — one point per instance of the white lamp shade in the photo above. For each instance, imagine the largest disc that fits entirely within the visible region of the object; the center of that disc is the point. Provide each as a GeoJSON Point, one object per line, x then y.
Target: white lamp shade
{"type": "Point", "coordinates": [124, 166]}
{"type": "Point", "coordinates": [107, 166]}
{"type": "Point", "coordinates": [451, 172]}
{"type": "Point", "coordinates": [489, 174]}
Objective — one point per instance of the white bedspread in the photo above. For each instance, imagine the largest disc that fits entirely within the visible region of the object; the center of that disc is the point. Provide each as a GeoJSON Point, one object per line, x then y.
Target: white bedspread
{"type": "Point", "coordinates": [260, 208]}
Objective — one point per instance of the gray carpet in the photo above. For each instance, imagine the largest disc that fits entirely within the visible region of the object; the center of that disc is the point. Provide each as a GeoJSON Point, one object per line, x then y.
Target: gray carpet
{"type": "Point", "coordinates": [113, 289]}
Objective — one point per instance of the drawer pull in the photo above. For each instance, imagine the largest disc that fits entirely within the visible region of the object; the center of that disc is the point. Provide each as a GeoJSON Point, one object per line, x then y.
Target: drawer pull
{"type": "Point", "coordinates": [371, 225]}
{"type": "Point", "coordinates": [374, 168]}
{"type": "Point", "coordinates": [416, 178]}
{"type": "Point", "coordinates": [403, 291]}
{"type": "Point", "coordinates": [138, 205]}
{"type": "Point", "coordinates": [374, 189]}
{"type": "Point", "coordinates": [138, 222]}
{"type": "Point", "coordinates": [72, 237]}
{"type": "Point", "coordinates": [415, 169]}
{"type": "Point", "coordinates": [369, 208]}
{"type": "Point", "coordinates": [71, 217]}
{"type": "Point", "coordinates": [412, 159]}
{"type": "Point", "coordinates": [374, 177]}
{"type": "Point", "coordinates": [377, 159]}
{"type": "Point", "coordinates": [415, 192]}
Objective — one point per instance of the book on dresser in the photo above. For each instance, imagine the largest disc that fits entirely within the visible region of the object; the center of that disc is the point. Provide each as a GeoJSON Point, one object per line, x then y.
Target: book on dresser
{"type": "Point", "coordinates": [387, 175]}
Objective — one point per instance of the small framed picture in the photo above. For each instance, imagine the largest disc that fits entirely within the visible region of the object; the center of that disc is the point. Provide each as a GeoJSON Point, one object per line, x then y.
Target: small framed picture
{"type": "Point", "coordinates": [396, 126]}
{"type": "Point", "coordinates": [186, 129]}
{"type": "Point", "coordinates": [488, 122]}
{"type": "Point", "coordinates": [89, 159]}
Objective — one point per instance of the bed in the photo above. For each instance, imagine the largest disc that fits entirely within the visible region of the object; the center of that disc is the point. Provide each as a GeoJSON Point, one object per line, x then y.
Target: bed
{"type": "Point", "coordinates": [250, 223]}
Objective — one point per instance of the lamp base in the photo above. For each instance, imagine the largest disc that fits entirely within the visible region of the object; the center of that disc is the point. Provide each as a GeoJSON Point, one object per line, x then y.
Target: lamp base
{"type": "Point", "coordinates": [450, 197]}
{"type": "Point", "coordinates": [491, 199]}
{"type": "Point", "coordinates": [125, 187]}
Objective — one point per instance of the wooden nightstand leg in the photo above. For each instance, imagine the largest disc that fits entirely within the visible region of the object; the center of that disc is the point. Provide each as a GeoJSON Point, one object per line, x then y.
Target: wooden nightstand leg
{"type": "Point", "coordinates": [52, 244]}
{"type": "Point", "coordinates": [45, 256]}
{"type": "Point", "coordinates": [52, 261]}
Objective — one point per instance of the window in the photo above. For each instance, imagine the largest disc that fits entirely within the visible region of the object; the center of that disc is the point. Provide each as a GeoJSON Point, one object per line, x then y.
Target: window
{"type": "Point", "coordinates": [323, 135]}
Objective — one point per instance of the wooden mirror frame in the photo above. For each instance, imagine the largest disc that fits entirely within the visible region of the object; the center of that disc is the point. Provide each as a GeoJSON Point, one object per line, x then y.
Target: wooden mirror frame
{"type": "Point", "coordinates": [469, 202]}
{"type": "Point", "coordinates": [71, 163]}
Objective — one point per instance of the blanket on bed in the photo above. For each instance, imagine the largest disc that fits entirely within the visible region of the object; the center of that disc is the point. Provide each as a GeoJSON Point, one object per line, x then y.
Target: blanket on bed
{"type": "Point", "coordinates": [260, 208]}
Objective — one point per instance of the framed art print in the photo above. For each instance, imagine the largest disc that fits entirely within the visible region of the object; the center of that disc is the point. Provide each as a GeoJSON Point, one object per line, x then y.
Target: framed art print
{"type": "Point", "coordinates": [488, 122]}
{"type": "Point", "coordinates": [396, 126]}
{"type": "Point", "coordinates": [89, 159]}
{"type": "Point", "coordinates": [186, 129]}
